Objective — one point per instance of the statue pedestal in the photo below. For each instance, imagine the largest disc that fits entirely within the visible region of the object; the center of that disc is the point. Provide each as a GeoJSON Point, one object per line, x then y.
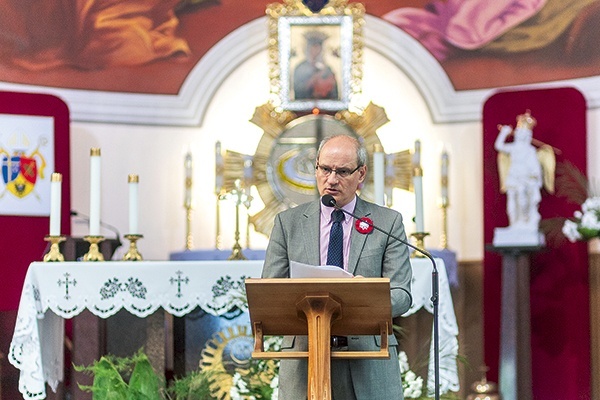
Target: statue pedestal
{"type": "Point", "coordinates": [515, 327]}
{"type": "Point", "coordinates": [518, 237]}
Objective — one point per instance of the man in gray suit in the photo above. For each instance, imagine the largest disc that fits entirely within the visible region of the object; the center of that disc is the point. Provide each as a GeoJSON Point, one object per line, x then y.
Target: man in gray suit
{"type": "Point", "coordinates": [302, 234]}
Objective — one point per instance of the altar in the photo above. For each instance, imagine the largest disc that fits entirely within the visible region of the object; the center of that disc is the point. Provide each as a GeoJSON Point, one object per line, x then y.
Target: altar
{"type": "Point", "coordinates": [55, 291]}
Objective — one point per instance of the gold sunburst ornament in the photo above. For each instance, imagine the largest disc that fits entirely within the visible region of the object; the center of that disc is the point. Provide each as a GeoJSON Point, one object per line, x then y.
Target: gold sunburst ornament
{"type": "Point", "coordinates": [228, 354]}
{"type": "Point", "coordinates": [283, 164]}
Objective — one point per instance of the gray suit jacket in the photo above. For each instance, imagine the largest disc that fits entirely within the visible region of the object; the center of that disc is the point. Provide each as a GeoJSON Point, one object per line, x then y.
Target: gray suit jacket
{"type": "Point", "coordinates": [295, 236]}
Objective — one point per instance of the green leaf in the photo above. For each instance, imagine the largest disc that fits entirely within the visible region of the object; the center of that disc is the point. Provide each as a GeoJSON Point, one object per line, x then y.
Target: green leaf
{"type": "Point", "coordinates": [108, 383]}
{"type": "Point", "coordinates": [144, 383]}
{"type": "Point", "coordinates": [588, 233]}
{"type": "Point", "coordinates": [194, 386]}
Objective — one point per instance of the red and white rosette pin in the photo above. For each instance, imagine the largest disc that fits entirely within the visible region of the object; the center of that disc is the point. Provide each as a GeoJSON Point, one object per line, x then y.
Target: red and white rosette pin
{"type": "Point", "coordinates": [364, 225]}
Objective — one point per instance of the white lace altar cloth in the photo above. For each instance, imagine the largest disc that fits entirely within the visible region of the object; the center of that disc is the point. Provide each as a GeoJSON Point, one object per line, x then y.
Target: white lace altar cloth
{"type": "Point", "coordinates": [54, 291]}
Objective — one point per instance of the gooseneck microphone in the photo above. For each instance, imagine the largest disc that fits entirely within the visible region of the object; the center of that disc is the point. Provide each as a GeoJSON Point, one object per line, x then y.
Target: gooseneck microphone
{"type": "Point", "coordinates": [329, 201]}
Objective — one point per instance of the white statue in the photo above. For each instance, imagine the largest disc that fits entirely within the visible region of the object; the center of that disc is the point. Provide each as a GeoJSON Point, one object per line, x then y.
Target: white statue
{"type": "Point", "coordinates": [523, 169]}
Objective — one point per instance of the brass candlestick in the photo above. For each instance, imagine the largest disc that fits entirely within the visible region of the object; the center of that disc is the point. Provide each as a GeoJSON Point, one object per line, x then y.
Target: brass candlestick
{"type": "Point", "coordinates": [248, 231]}
{"type": "Point", "coordinates": [93, 253]}
{"type": "Point", "coordinates": [189, 238]}
{"type": "Point", "coordinates": [133, 254]}
{"type": "Point", "coordinates": [54, 253]}
{"type": "Point", "coordinates": [220, 197]}
{"type": "Point", "coordinates": [247, 204]}
{"type": "Point", "coordinates": [187, 201]}
{"type": "Point", "coordinates": [236, 253]}
{"type": "Point", "coordinates": [419, 237]}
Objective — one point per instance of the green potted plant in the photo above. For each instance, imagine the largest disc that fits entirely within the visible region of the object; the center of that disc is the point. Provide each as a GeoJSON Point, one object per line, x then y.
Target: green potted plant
{"type": "Point", "coordinates": [133, 378]}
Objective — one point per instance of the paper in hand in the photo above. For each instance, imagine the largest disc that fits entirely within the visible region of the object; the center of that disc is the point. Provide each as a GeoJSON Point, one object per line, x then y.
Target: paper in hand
{"type": "Point", "coordinates": [300, 270]}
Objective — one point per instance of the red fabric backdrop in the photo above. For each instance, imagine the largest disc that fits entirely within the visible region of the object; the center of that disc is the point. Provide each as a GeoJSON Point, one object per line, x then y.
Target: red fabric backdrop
{"type": "Point", "coordinates": [23, 237]}
{"type": "Point", "coordinates": [560, 324]}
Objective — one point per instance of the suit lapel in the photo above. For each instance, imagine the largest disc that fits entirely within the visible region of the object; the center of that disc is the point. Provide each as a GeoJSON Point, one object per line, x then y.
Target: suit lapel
{"type": "Point", "coordinates": [357, 240]}
{"type": "Point", "coordinates": [311, 233]}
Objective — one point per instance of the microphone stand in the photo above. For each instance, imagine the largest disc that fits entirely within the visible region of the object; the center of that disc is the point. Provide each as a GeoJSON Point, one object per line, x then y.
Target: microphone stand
{"type": "Point", "coordinates": [330, 202]}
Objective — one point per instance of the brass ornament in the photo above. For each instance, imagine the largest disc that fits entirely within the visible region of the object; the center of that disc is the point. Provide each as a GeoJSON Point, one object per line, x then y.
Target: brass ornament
{"type": "Point", "coordinates": [54, 254]}
{"type": "Point", "coordinates": [227, 352]}
{"type": "Point", "coordinates": [283, 163]}
{"type": "Point", "coordinates": [133, 253]}
{"type": "Point", "coordinates": [93, 253]}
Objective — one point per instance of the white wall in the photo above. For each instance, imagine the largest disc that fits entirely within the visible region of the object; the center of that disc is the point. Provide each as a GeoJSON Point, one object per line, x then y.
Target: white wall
{"type": "Point", "coordinates": [156, 154]}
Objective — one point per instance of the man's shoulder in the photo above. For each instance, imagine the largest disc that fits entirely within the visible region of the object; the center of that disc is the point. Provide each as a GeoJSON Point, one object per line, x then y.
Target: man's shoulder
{"type": "Point", "coordinates": [297, 210]}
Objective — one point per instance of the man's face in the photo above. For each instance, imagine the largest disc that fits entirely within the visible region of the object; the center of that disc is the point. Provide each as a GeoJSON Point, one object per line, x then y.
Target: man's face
{"type": "Point", "coordinates": [339, 153]}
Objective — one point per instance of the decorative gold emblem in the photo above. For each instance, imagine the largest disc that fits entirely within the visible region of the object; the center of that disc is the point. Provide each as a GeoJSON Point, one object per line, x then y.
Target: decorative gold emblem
{"type": "Point", "coordinates": [227, 352]}
{"type": "Point", "coordinates": [283, 166]}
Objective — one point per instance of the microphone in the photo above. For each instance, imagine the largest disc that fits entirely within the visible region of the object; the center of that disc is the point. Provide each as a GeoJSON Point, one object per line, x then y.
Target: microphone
{"type": "Point", "coordinates": [329, 201]}
{"type": "Point", "coordinates": [107, 226]}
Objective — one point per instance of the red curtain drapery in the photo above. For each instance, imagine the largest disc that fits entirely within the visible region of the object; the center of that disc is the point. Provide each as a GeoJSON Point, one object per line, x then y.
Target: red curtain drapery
{"type": "Point", "coordinates": [559, 286]}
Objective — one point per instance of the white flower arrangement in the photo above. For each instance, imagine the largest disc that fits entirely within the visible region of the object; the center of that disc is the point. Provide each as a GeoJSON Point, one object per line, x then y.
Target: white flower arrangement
{"type": "Point", "coordinates": [585, 224]}
{"type": "Point", "coordinates": [412, 384]}
{"type": "Point", "coordinates": [261, 380]}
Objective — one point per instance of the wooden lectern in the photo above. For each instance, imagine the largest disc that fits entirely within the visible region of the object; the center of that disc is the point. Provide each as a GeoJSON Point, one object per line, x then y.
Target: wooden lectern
{"type": "Point", "coordinates": [319, 308]}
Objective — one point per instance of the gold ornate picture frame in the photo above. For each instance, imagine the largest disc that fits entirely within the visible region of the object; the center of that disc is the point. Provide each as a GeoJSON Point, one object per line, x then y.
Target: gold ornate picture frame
{"type": "Point", "coordinates": [315, 59]}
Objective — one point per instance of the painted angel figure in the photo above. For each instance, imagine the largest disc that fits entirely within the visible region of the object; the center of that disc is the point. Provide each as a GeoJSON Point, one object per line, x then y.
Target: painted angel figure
{"type": "Point", "coordinates": [524, 169]}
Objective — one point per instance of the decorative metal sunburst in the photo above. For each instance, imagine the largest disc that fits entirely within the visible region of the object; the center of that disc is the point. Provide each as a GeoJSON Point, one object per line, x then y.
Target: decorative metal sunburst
{"type": "Point", "coordinates": [283, 163]}
{"type": "Point", "coordinates": [225, 353]}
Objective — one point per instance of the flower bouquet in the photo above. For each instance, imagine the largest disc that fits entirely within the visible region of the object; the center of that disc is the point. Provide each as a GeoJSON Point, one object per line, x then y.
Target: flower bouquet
{"type": "Point", "coordinates": [574, 187]}
{"type": "Point", "coordinates": [585, 224]}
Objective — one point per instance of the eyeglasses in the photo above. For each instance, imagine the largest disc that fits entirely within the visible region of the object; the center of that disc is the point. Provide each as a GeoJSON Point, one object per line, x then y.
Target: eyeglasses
{"type": "Point", "coordinates": [340, 172]}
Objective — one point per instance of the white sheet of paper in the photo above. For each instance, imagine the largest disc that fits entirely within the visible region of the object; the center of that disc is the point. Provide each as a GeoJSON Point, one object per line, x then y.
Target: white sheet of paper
{"type": "Point", "coordinates": [300, 270]}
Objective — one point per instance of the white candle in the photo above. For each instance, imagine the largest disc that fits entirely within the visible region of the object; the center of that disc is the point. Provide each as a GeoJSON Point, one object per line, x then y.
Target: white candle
{"type": "Point", "coordinates": [417, 154]}
{"type": "Point", "coordinates": [248, 179]}
{"type": "Point", "coordinates": [219, 165]}
{"type": "Point", "coordinates": [95, 192]}
{"type": "Point", "coordinates": [188, 164]}
{"type": "Point", "coordinates": [379, 174]}
{"type": "Point", "coordinates": [389, 179]}
{"type": "Point", "coordinates": [445, 162]}
{"type": "Point", "coordinates": [418, 187]}
{"type": "Point", "coordinates": [132, 181]}
{"type": "Point", "coordinates": [55, 203]}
